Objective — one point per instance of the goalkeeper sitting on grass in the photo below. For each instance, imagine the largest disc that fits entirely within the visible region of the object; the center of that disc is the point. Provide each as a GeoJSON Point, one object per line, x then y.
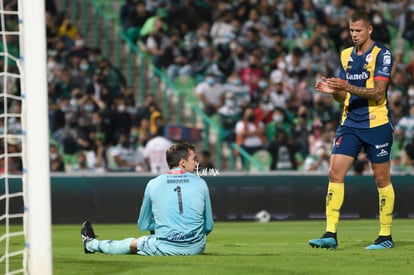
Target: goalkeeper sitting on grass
{"type": "Point", "coordinates": [176, 208]}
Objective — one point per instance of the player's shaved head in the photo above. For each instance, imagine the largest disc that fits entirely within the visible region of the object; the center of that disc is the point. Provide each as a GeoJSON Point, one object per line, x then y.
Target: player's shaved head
{"type": "Point", "coordinates": [361, 15]}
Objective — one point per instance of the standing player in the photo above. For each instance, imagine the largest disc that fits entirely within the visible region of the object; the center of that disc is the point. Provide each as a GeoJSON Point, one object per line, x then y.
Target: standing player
{"type": "Point", "coordinates": [364, 74]}
{"type": "Point", "coordinates": [176, 208]}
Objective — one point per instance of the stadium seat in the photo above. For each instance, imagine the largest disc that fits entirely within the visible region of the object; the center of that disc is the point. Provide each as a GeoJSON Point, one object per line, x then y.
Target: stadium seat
{"type": "Point", "coordinates": [69, 160]}
{"type": "Point", "coordinates": [264, 158]}
{"type": "Point", "coordinates": [185, 85]}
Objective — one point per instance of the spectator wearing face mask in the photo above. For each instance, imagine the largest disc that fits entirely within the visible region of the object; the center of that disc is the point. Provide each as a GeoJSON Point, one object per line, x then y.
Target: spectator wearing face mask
{"type": "Point", "coordinates": [241, 92]}
{"type": "Point", "coordinates": [122, 156]}
{"type": "Point", "coordinates": [221, 29]}
{"type": "Point", "coordinates": [72, 138]}
{"type": "Point", "coordinates": [240, 57]}
{"type": "Point", "coordinates": [264, 106]}
{"type": "Point", "coordinates": [57, 119]}
{"type": "Point", "coordinates": [122, 119]}
{"type": "Point", "coordinates": [302, 128]}
{"type": "Point", "coordinates": [283, 149]}
{"type": "Point", "coordinates": [279, 96]}
{"type": "Point", "coordinates": [55, 159]}
{"type": "Point", "coordinates": [319, 161]}
{"type": "Point", "coordinates": [229, 114]}
{"type": "Point", "coordinates": [250, 134]}
{"type": "Point", "coordinates": [262, 91]}
{"type": "Point", "coordinates": [279, 121]}
{"type": "Point", "coordinates": [380, 31]}
{"type": "Point", "coordinates": [211, 94]}
{"type": "Point", "coordinates": [251, 75]}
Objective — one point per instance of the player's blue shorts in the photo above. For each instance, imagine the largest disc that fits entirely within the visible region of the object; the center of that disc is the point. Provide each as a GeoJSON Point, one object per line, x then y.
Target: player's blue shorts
{"type": "Point", "coordinates": [376, 142]}
{"type": "Point", "coordinates": [151, 246]}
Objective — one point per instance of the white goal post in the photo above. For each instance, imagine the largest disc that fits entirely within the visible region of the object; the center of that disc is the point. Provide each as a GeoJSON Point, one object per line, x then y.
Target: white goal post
{"type": "Point", "coordinates": [25, 234]}
{"type": "Point", "coordinates": [36, 178]}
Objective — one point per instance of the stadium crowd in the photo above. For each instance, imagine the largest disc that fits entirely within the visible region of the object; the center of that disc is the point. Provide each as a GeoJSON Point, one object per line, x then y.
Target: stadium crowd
{"type": "Point", "coordinates": [254, 63]}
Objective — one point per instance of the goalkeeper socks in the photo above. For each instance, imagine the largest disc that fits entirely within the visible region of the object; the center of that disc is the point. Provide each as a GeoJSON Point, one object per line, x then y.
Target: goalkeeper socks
{"type": "Point", "coordinates": [334, 200]}
{"type": "Point", "coordinates": [386, 207]}
{"type": "Point", "coordinates": [110, 246]}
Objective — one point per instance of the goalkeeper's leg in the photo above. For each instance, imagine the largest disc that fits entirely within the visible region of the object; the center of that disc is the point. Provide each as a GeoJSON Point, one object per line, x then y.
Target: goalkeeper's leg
{"type": "Point", "coordinates": [92, 245]}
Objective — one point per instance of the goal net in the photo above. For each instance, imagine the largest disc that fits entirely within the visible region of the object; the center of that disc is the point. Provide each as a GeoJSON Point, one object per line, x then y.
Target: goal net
{"type": "Point", "coordinates": [25, 222]}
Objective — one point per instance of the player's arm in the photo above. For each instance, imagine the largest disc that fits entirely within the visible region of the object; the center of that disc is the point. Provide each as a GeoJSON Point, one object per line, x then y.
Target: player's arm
{"type": "Point", "coordinates": [377, 93]}
{"type": "Point", "coordinates": [208, 214]}
{"type": "Point", "coordinates": [145, 219]}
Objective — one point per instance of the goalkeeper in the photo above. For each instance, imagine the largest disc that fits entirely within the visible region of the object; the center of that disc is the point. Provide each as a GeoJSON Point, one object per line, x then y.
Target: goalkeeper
{"type": "Point", "coordinates": [176, 209]}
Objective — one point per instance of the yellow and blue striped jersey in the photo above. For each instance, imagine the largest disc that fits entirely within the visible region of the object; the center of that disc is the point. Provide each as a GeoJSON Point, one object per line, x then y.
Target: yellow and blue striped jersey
{"type": "Point", "coordinates": [361, 70]}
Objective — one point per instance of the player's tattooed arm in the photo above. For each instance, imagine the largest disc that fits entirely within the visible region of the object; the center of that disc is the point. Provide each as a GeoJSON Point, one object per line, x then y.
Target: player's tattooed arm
{"type": "Point", "coordinates": [377, 93]}
{"type": "Point", "coordinates": [339, 96]}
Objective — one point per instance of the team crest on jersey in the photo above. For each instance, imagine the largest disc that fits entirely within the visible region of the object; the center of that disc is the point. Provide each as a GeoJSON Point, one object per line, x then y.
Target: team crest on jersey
{"type": "Point", "coordinates": [368, 58]}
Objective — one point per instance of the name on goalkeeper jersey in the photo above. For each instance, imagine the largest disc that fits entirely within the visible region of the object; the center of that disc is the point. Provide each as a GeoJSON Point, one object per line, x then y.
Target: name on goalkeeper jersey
{"type": "Point", "coordinates": [177, 181]}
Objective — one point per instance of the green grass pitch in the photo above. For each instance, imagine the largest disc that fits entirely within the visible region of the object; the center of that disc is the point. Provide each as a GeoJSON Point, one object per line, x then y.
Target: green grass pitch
{"type": "Point", "coordinates": [277, 247]}
{"type": "Point", "coordinates": [248, 248]}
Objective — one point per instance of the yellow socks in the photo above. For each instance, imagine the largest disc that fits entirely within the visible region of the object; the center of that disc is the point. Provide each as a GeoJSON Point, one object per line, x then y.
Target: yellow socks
{"type": "Point", "coordinates": [386, 207]}
{"type": "Point", "coordinates": [334, 200]}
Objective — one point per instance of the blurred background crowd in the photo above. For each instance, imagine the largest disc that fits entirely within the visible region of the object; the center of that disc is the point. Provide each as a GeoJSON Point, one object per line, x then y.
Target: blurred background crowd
{"type": "Point", "coordinates": [254, 64]}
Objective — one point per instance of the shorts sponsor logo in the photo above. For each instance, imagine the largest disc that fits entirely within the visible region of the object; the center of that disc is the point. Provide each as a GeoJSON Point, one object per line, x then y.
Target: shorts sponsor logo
{"type": "Point", "coordinates": [383, 153]}
{"type": "Point", "coordinates": [379, 146]}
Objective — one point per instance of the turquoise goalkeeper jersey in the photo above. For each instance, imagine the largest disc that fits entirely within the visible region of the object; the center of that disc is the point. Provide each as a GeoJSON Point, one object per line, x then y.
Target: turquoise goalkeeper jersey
{"type": "Point", "coordinates": [177, 206]}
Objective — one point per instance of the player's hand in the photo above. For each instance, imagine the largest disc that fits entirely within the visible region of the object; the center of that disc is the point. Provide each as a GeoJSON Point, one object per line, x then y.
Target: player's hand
{"type": "Point", "coordinates": [336, 84]}
{"type": "Point", "coordinates": [323, 87]}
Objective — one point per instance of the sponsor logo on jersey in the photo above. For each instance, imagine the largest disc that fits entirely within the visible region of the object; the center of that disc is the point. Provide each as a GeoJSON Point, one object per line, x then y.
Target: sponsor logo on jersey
{"type": "Point", "coordinates": [361, 76]}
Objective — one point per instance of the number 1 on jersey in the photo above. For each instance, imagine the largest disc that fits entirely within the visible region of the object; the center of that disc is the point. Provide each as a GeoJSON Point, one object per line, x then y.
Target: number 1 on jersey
{"type": "Point", "coordinates": [180, 198]}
